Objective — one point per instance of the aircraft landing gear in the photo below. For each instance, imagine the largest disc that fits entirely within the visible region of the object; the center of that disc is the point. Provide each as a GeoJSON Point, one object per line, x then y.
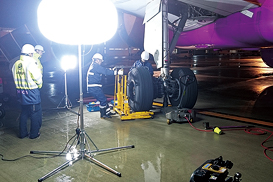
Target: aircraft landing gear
{"type": "Point", "coordinates": [133, 98]}
{"type": "Point", "coordinates": [182, 91]}
{"type": "Point", "coordinates": [182, 88]}
{"type": "Point", "coordinates": [179, 88]}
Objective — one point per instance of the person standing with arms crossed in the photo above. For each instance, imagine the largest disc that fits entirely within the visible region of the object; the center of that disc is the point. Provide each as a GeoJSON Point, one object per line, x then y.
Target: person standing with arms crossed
{"type": "Point", "coordinates": [28, 81]}
{"type": "Point", "coordinates": [39, 50]}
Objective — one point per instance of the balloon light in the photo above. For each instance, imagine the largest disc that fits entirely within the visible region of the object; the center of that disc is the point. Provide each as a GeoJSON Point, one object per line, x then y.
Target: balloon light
{"type": "Point", "coordinates": [68, 62]}
{"type": "Point", "coordinates": [76, 22]}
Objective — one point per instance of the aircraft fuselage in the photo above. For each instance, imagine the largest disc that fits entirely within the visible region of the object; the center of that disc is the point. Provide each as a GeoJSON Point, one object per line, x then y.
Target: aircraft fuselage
{"type": "Point", "coordinates": [247, 29]}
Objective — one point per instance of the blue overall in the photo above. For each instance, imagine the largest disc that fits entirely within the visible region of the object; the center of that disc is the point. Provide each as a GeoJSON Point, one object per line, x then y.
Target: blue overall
{"type": "Point", "coordinates": [94, 86]}
{"type": "Point", "coordinates": [145, 64]}
{"type": "Point", "coordinates": [34, 112]}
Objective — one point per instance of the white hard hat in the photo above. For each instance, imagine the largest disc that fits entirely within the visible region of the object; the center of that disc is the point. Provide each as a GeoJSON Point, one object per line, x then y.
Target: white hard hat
{"type": "Point", "coordinates": [145, 55]}
{"type": "Point", "coordinates": [39, 47]}
{"type": "Point", "coordinates": [97, 56]}
{"type": "Point", "coordinates": [27, 48]}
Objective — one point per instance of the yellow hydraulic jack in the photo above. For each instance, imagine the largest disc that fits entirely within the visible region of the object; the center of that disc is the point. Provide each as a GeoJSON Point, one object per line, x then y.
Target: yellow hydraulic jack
{"type": "Point", "coordinates": [121, 105]}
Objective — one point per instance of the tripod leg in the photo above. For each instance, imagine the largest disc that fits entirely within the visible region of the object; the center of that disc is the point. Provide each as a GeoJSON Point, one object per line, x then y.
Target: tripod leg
{"type": "Point", "coordinates": [56, 152]}
{"type": "Point", "coordinates": [103, 165]}
{"type": "Point", "coordinates": [58, 107]}
{"type": "Point", "coordinates": [47, 152]}
{"type": "Point", "coordinates": [115, 148]}
{"type": "Point", "coordinates": [56, 170]}
{"type": "Point", "coordinates": [91, 141]}
{"type": "Point", "coordinates": [73, 111]}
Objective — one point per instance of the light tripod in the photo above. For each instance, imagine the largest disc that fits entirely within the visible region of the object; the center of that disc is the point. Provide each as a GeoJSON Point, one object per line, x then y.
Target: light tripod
{"type": "Point", "coordinates": [65, 98]}
{"type": "Point", "coordinates": [81, 141]}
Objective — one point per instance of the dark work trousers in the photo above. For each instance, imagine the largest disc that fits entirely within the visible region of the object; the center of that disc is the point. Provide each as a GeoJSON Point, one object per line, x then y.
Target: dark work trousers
{"type": "Point", "coordinates": [34, 112]}
{"type": "Point", "coordinates": [99, 95]}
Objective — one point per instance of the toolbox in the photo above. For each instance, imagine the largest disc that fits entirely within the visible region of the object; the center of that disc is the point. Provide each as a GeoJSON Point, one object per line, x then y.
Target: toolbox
{"type": "Point", "coordinates": [93, 106]}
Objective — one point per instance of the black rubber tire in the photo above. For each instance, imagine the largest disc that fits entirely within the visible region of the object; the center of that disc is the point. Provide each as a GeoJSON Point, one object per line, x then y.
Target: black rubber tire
{"type": "Point", "coordinates": [191, 91]}
{"type": "Point", "coordinates": [140, 89]}
{"type": "Point", "coordinates": [267, 56]}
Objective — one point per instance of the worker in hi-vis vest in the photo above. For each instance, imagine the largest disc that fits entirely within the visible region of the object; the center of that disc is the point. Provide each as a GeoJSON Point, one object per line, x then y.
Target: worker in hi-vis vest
{"type": "Point", "coordinates": [28, 81]}
{"type": "Point", "coordinates": [39, 51]}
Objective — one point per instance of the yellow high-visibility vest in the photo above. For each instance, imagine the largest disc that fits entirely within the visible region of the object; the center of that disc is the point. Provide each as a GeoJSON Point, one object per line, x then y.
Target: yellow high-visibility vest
{"type": "Point", "coordinates": [26, 74]}
{"type": "Point", "coordinates": [37, 58]}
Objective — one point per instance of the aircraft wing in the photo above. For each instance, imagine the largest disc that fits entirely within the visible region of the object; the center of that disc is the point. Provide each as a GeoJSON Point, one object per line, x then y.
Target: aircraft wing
{"type": "Point", "coordinates": [221, 7]}
{"type": "Point", "coordinates": [202, 12]}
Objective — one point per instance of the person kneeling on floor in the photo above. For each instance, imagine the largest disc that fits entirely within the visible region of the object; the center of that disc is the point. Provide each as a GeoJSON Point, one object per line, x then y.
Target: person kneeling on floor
{"type": "Point", "coordinates": [94, 86]}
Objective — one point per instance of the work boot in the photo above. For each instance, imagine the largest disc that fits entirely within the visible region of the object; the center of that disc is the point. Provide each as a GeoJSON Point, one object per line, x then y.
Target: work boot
{"type": "Point", "coordinates": [103, 113]}
{"type": "Point", "coordinates": [108, 111]}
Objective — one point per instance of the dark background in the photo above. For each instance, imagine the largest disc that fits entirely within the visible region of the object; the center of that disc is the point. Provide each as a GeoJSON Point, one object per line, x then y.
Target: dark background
{"type": "Point", "coordinates": [14, 13]}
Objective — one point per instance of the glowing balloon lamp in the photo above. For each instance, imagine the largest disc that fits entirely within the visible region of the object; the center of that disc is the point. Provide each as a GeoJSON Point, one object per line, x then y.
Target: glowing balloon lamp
{"type": "Point", "coordinates": [68, 62]}
{"type": "Point", "coordinates": [76, 22]}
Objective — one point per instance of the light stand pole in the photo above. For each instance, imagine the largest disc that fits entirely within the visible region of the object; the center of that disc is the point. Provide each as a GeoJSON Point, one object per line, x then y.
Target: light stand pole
{"type": "Point", "coordinates": [77, 13]}
{"type": "Point", "coordinates": [65, 98]}
{"type": "Point", "coordinates": [66, 63]}
{"type": "Point", "coordinates": [82, 145]}
{"type": "Point", "coordinates": [81, 140]}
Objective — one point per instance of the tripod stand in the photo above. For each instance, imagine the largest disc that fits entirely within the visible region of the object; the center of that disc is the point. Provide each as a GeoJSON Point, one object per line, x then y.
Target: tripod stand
{"type": "Point", "coordinates": [65, 98]}
{"type": "Point", "coordinates": [68, 104]}
{"type": "Point", "coordinates": [81, 141]}
{"type": "Point", "coordinates": [73, 155]}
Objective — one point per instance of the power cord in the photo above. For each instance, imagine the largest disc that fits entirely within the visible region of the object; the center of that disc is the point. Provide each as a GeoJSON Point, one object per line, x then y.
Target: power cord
{"type": "Point", "coordinates": [260, 131]}
{"type": "Point", "coordinates": [57, 155]}
{"type": "Point", "coordinates": [252, 131]}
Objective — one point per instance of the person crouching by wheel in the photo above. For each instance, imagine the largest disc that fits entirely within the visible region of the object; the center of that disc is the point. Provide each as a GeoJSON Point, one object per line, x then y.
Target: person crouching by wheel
{"type": "Point", "coordinates": [94, 86]}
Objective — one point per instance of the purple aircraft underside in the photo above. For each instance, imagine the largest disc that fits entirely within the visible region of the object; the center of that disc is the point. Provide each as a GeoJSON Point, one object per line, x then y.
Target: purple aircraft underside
{"type": "Point", "coordinates": [234, 31]}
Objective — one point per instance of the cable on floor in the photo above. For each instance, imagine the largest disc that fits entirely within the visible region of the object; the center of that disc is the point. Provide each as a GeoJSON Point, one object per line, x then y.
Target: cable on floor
{"type": "Point", "coordinates": [252, 131]}
{"type": "Point", "coordinates": [57, 155]}
{"type": "Point", "coordinates": [260, 131]}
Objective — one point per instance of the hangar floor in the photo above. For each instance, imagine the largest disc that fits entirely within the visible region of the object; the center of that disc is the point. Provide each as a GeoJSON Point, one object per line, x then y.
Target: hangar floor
{"type": "Point", "coordinates": [232, 87]}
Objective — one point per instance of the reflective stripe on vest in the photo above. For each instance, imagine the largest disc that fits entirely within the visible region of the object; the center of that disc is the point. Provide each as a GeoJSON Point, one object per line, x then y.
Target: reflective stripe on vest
{"type": "Point", "coordinates": [94, 85]}
{"type": "Point", "coordinates": [26, 74]}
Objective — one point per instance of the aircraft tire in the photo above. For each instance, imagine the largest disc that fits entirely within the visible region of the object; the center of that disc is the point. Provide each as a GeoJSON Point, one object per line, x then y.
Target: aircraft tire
{"type": "Point", "coordinates": [191, 90]}
{"type": "Point", "coordinates": [267, 56]}
{"type": "Point", "coordinates": [140, 89]}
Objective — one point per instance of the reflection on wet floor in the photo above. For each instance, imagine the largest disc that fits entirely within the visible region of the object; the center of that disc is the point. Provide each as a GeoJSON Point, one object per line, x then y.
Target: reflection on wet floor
{"type": "Point", "coordinates": [243, 85]}
{"type": "Point", "coordinates": [234, 83]}
{"type": "Point", "coordinates": [264, 103]}
{"type": "Point", "coordinates": [163, 152]}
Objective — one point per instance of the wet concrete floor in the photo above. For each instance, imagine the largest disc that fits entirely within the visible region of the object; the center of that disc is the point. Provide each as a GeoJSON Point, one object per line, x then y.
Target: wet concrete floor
{"type": "Point", "coordinates": [240, 87]}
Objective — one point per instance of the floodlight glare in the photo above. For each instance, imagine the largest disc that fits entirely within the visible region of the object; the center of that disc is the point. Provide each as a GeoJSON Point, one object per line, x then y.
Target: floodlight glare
{"type": "Point", "coordinates": [68, 62]}
{"type": "Point", "coordinates": [77, 22]}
